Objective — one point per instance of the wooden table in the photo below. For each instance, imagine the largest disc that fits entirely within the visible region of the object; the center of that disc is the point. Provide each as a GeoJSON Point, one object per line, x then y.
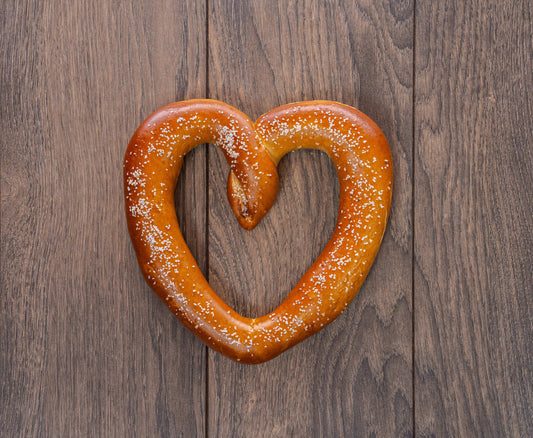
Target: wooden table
{"type": "Point", "coordinates": [438, 342]}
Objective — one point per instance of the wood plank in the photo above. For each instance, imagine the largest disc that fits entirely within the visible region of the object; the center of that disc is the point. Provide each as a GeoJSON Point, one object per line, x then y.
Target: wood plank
{"type": "Point", "coordinates": [354, 377]}
{"type": "Point", "coordinates": [473, 219]}
{"type": "Point", "coordinates": [86, 348]}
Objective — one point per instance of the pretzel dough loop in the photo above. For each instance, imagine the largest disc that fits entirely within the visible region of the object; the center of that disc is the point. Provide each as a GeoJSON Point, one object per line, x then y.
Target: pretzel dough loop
{"type": "Point", "coordinates": [151, 167]}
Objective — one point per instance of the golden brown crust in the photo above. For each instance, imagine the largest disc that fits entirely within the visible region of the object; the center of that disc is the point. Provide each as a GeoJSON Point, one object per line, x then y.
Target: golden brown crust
{"type": "Point", "coordinates": [152, 164]}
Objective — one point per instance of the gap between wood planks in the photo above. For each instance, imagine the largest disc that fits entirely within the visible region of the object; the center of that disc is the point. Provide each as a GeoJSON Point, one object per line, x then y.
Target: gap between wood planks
{"type": "Point", "coordinates": [413, 225]}
{"type": "Point", "coordinates": [206, 241]}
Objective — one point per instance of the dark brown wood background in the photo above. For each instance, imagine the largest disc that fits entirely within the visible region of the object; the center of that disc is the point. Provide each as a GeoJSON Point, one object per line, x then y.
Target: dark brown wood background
{"type": "Point", "coordinates": [438, 342]}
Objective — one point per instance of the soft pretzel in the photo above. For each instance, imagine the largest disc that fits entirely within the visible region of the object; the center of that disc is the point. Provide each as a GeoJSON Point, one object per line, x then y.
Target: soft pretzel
{"type": "Point", "coordinates": [152, 164]}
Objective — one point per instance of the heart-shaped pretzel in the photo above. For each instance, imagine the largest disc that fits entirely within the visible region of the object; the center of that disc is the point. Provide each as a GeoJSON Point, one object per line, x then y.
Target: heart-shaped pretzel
{"type": "Point", "coordinates": [153, 162]}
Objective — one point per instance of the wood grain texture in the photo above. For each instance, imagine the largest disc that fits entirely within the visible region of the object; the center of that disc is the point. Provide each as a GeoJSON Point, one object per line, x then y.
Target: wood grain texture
{"type": "Point", "coordinates": [473, 219]}
{"type": "Point", "coordinates": [354, 377]}
{"type": "Point", "coordinates": [86, 348]}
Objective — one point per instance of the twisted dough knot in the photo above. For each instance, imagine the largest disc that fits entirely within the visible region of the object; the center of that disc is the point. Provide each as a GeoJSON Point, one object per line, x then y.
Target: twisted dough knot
{"type": "Point", "coordinates": [152, 165]}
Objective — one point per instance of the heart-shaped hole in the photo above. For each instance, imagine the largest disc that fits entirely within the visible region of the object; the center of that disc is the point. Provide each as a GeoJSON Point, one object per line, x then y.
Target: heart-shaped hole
{"type": "Point", "coordinates": [252, 270]}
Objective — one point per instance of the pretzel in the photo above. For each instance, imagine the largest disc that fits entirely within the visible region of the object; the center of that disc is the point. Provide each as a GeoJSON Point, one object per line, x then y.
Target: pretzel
{"type": "Point", "coordinates": [152, 165]}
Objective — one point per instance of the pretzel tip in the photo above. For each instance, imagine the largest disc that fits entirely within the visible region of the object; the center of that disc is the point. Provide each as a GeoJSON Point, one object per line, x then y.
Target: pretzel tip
{"type": "Point", "coordinates": [249, 210]}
